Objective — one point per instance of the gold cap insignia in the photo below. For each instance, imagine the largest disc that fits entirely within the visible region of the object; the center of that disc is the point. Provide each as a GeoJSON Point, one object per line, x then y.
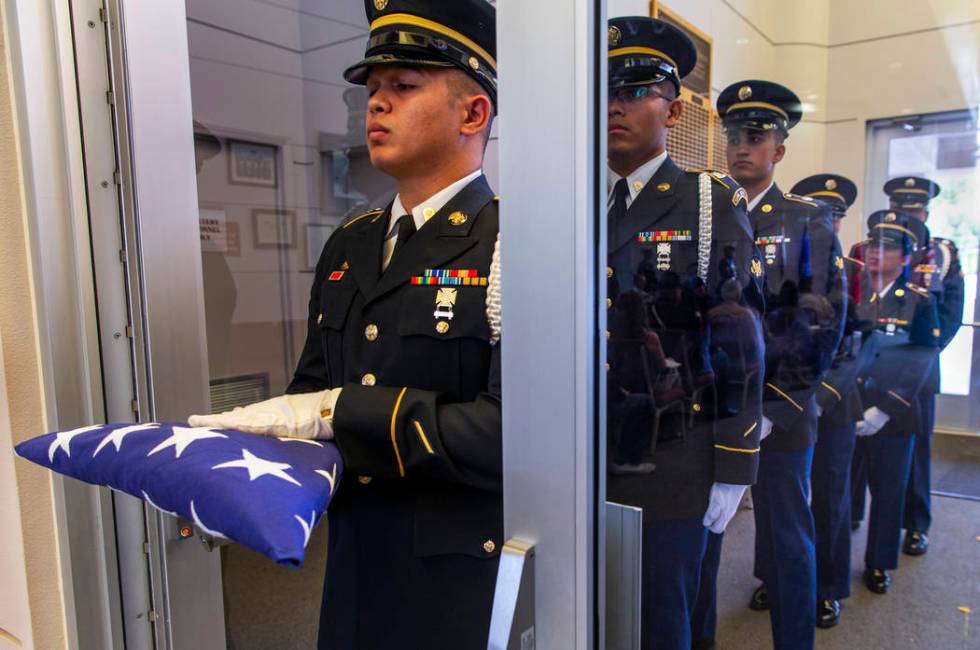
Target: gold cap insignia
{"type": "Point", "coordinates": [474, 63]}
{"type": "Point", "coordinates": [663, 187]}
{"type": "Point", "coordinates": [380, 4]}
{"type": "Point", "coordinates": [767, 208]}
{"type": "Point", "coordinates": [615, 35]}
{"type": "Point", "coordinates": [756, 267]}
{"type": "Point", "coordinates": [446, 298]}
{"type": "Point", "coordinates": [909, 182]}
{"type": "Point", "coordinates": [744, 92]}
{"type": "Point", "coordinates": [457, 218]}
{"type": "Point", "coordinates": [890, 217]}
{"type": "Point", "coordinates": [831, 184]}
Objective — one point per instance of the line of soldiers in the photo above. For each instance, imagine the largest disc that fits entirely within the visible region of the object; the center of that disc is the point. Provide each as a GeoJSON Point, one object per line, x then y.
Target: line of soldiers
{"type": "Point", "coordinates": [746, 350]}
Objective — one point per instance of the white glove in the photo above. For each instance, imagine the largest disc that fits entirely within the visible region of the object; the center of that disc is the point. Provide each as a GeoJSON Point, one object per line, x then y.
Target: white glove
{"type": "Point", "coordinates": [722, 504]}
{"type": "Point", "coordinates": [874, 420]}
{"type": "Point", "coordinates": [304, 415]}
{"type": "Point", "coordinates": [766, 428]}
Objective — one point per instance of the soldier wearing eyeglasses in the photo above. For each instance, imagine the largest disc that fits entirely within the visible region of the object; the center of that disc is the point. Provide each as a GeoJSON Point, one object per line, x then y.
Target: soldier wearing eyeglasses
{"type": "Point", "coordinates": [685, 347]}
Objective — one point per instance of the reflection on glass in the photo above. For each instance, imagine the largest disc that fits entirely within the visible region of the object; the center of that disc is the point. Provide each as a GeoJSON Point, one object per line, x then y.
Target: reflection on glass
{"type": "Point", "coordinates": [281, 161]}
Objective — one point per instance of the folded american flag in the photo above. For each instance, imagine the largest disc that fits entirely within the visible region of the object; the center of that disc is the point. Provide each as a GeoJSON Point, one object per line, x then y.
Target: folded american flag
{"type": "Point", "coordinates": [265, 493]}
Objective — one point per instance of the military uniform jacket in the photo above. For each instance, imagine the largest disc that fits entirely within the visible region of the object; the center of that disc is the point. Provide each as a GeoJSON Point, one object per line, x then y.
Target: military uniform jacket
{"type": "Point", "coordinates": [938, 270]}
{"type": "Point", "coordinates": [700, 439]}
{"type": "Point", "coordinates": [805, 310]}
{"type": "Point", "coordinates": [907, 332]}
{"type": "Point", "coordinates": [417, 520]}
{"type": "Point", "coordinates": [838, 395]}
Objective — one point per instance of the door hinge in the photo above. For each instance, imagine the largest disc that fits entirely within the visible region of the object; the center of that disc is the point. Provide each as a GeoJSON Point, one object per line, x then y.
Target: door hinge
{"type": "Point", "coordinates": [103, 14]}
{"type": "Point", "coordinates": [117, 177]}
{"type": "Point", "coordinates": [151, 616]}
{"type": "Point", "coordinates": [146, 548]}
{"type": "Point", "coordinates": [135, 406]}
{"type": "Point", "coordinates": [110, 98]}
{"type": "Point", "coordinates": [122, 255]}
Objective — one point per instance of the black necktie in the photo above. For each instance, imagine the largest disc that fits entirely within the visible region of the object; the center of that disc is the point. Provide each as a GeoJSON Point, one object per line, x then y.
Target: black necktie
{"type": "Point", "coordinates": [617, 206]}
{"type": "Point", "coordinates": [406, 228]}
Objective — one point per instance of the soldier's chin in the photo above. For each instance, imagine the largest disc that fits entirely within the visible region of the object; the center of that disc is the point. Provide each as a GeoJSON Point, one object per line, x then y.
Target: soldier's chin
{"type": "Point", "coordinates": [384, 160]}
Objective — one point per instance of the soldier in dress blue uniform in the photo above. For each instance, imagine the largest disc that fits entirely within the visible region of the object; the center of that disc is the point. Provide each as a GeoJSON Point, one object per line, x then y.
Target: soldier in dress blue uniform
{"type": "Point", "coordinates": [839, 405]}
{"type": "Point", "coordinates": [907, 331]}
{"type": "Point", "coordinates": [938, 270]}
{"type": "Point", "coordinates": [685, 346]}
{"type": "Point", "coordinates": [401, 365]}
{"type": "Point", "coordinates": [804, 317]}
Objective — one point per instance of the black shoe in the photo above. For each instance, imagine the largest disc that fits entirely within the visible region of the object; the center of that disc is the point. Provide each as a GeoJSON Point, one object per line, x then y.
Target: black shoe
{"type": "Point", "coordinates": [916, 543]}
{"type": "Point", "coordinates": [704, 644]}
{"type": "Point", "coordinates": [760, 599]}
{"type": "Point", "coordinates": [877, 580]}
{"type": "Point", "coordinates": [828, 613]}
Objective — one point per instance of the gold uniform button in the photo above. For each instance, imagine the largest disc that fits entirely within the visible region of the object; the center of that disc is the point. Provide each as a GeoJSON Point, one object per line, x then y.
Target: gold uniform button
{"type": "Point", "coordinates": [489, 546]}
{"type": "Point", "coordinates": [899, 292]}
{"type": "Point", "coordinates": [364, 480]}
{"type": "Point", "coordinates": [371, 332]}
{"type": "Point", "coordinates": [442, 327]}
{"type": "Point", "coordinates": [608, 335]}
{"type": "Point", "coordinates": [369, 380]}
{"type": "Point", "coordinates": [609, 272]}
{"type": "Point", "coordinates": [696, 408]}
{"type": "Point", "coordinates": [319, 318]}
{"type": "Point", "coordinates": [608, 367]}
{"type": "Point", "coordinates": [609, 303]}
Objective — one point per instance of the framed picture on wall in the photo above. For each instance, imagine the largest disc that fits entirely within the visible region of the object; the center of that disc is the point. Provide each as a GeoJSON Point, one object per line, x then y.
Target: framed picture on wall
{"type": "Point", "coordinates": [699, 80]}
{"type": "Point", "coordinates": [274, 228]}
{"type": "Point", "coordinates": [317, 235]}
{"type": "Point", "coordinates": [250, 163]}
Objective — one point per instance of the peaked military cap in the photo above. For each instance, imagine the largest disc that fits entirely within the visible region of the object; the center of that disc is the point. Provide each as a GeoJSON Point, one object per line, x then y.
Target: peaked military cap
{"type": "Point", "coordinates": [430, 33]}
{"type": "Point", "coordinates": [644, 51]}
{"type": "Point", "coordinates": [896, 229]}
{"type": "Point", "coordinates": [911, 192]}
{"type": "Point", "coordinates": [760, 106]}
{"type": "Point", "coordinates": [836, 191]}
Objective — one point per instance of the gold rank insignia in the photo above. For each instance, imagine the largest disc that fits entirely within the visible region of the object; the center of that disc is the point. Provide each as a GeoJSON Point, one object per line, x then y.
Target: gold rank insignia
{"type": "Point", "coordinates": [839, 262]}
{"type": "Point", "coordinates": [615, 36]}
{"type": "Point", "coordinates": [744, 93]}
{"type": "Point", "coordinates": [739, 196]}
{"type": "Point", "coordinates": [756, 267]}
{"type": "Point", "coordinates": [457, 218]}
{"type": "Point", "coordinates": [345, 266]}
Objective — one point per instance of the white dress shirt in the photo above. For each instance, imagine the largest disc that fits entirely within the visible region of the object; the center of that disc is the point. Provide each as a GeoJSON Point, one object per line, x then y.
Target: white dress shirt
{"type": "Point", "coordinates": [423, 211]}
{"type": "Point", "coordinates": [638, 179]}
{"type": "Point", "coordinates": [758, 199]}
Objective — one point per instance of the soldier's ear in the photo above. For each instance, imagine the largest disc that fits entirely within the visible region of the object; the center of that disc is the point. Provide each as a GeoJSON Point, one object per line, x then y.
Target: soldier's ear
{"type": "Point", "coordinates": [674, 111]}
{"type": "Point", "coordinates": [779, 152]}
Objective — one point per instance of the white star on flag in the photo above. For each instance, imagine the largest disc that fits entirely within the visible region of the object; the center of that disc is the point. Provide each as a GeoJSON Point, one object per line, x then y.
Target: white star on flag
{"type": "Point", "coordinates": [62, 440]}
{"type": "Point", "coordinates": [183, 437]}
{"type": "Point", "coordinates": [146, 497]}
{"type": "Point", "coordinates": [258, 467]}
{"type": "Point", "coordinates": [307, 527]}
{"type": "Point", "coordinates": [306, 440]}
{"type": "Point", "coordinates": [331, 476]}
{"type": "Point", "coordinates": [116, 437]}
{"type": "Point", "coordinates": [204, 529]}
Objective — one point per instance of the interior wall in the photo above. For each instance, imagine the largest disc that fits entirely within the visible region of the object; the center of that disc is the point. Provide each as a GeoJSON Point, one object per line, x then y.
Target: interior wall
{"type": "Point", "coordinates": [32, 607]}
